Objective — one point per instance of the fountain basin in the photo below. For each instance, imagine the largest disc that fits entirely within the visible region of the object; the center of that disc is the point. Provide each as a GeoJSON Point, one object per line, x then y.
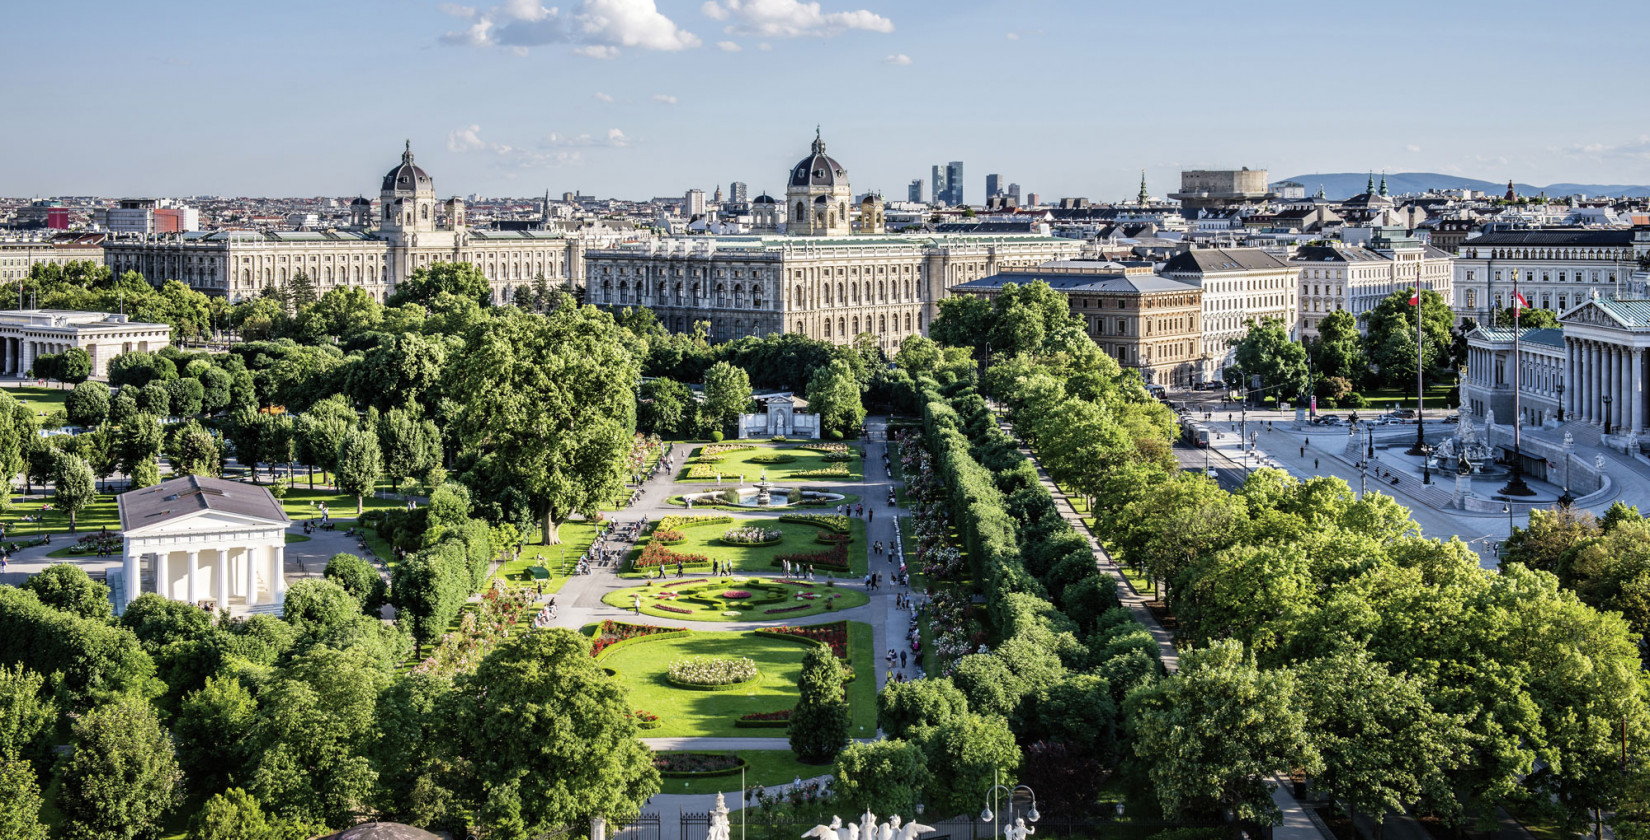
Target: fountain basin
{"type": "Point", "coordinates": [761, 496]}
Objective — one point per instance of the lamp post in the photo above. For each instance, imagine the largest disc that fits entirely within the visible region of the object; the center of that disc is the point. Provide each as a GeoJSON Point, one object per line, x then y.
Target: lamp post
{"type": "Point", "coordinates": [1507, 509]}
{"type": "Point", "coordinates": [1606, 399]}
{"type": "Point", "coordinates": [1560, 387]}
{"type": "Point", "coordinates": [1426, 464]}
{"type": "Point", "coordinates": [990, 815]}
{"type": "Point", "coordinates": [1362, 466]}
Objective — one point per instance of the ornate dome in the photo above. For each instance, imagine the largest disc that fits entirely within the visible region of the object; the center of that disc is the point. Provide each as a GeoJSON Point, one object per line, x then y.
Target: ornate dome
{"type": "Point", "coordinates": [763, 199]}
{"type": "Point", "coordinates": [818, 169]}
{"type": "Point", "coordinates": [407, 177]}
{"type": "Point", "coordinates": [361, 201]}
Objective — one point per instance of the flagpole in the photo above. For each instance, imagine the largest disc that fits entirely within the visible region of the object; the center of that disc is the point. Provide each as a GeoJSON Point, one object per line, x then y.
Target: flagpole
{"type": "Point", "coordinates": [1420, 447]}
{"type": "Point", "coordinates": [1515, 484]}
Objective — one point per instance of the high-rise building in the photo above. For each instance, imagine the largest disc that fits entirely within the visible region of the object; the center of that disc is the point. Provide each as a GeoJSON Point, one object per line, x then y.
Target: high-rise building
{"type": "Point", "coordinates": [993, 185]}
{"type": "Point", "coordinates": [954, 183]}
{"type": "Point", "coordinates": [914, 192]}
{"type": "Point", "coordinates": [936, 184]}
{"type": "Point", "coordinates": [1014, 192]}
{"type": "Point", "coordinates": [1032, 201]}
{"type": "Point", "coordinates": [738, 192]}
{"type": "Point", "coordinates": [694, 203]}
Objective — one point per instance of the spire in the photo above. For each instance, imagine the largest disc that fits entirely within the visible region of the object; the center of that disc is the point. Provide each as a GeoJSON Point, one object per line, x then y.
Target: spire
{"type": "Point", "coordinates": [406, 154]}
{"type": "Point", "coordinates": [1320, 191]}
{"type": "Point", "coordinates": [1370, 190]}
{"type": "Point", "coordinates": [1144, 196]}
{"type": "Point", "coordinates": [1383, 182]}
{"type": "Point", "coordinates": [819, 144]}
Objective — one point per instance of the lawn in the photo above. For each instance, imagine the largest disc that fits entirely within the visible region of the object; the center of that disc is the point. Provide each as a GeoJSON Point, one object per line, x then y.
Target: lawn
{"type": "Point", "coordinates": [768, 768]}
{"type": "Point", "coordinates": [700, 599]}
{"type": "Point", "coordinates": [43, 401]}
{"type": "Point", "coordinates": [299, 503]}
{"type": "Point", "coordinates": [706, 540]}
{"type": "Point", "coordinates": [100, 514]}
{"type": "Point", "coordinates": [559, 559]}
{"type": "Point", "coordinates": [640, 668]}
{"type": "Point", "coordinates": [847, 499]}
{"type": "Point", "coordinates": [739, 466]}
{"type": "Point", "coordinates": [1382, 399]}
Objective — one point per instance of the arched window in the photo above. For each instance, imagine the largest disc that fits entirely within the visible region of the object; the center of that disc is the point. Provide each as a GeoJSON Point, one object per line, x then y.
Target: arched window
{"type": "Point", "coordinates": [856, 325]}
{"type": "Point", "coordinates": [827, 328]}
{"type": "Point", "coordinates": [424, 211]}
{"type": "Point", "coordinates": [842, 326]}
{"type": "Point", "coordinates": [907, 322]}
{"type": "Point", "coordinates": [801, 213]}
{"type": "Point", "coordinates": [799, 327]}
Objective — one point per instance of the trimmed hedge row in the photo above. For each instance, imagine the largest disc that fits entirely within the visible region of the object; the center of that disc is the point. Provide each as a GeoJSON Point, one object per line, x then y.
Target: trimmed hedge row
{"type": "Point", "coordinates": [651, 637]}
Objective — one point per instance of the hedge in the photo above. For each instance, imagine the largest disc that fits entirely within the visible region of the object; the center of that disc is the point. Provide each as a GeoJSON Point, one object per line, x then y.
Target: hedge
{"type": "Point", "coordinates": [651, 637]}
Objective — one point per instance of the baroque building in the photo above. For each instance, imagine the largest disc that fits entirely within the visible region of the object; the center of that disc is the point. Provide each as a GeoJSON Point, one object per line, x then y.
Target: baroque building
{"type": "Point", "coordinates": [1557, 269]}
{"type": "Point", "coordinates": [413, 230]}
{"type": "Point", "coordinates": [1356, 278]}
{"type": "Point", "coordinates": [1239, 285]}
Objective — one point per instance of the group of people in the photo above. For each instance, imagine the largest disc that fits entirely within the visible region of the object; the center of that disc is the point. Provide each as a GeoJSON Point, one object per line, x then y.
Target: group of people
{"type": "Point", "coordinates": [856, 510]}
{"type": "Point", "coordinates": [873, 581]}
{"type": "Point", "coordinates": [545, 615]}
{"type": "Point", "coordinates": [793, 569]}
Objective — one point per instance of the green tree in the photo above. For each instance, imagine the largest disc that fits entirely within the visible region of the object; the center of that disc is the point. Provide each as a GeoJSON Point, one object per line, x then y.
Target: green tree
{"type": "Point", "coordinates": [430, 588]}
{"type": "Point", "coordinates": [247, 433]}
{"type": "Point", "coordinates": [964, 321]}
{"type": "Point", "coordinates": [212, 728]}
{"type": "Point", "coordinates": [884, 777]}
{"type": "Point", "coordinates": [194, 451]}
{"type": "Point", "coordinates": [28, 716]}
{"type": "Point", "coordinates": [966, 756]}
{"type": "Point", "coordinates": [1389, 339]}
{"type": "Point", "coordinates": [300, 293]}
{"type": "Point", "coordinates": [122, 778]}
{"type": "Point", "coordinates": [1383, 746]}
{"type": "Point", "coordinates": [1267, 351]}
{"type": "Point", "coordinates": [74, 366]}
{"type": "Point", "coordinates": [19, 801]}
{"type": "Point", "coordinates": [185, 396]}
{"type": "Point", "coordinates": [546, 407]}
{"type": "Point", "coordinates": [75, 485]}
{"type": "Point", "coordinates": [901, 707]}
{"type": "Point", "coordinates": [1216, 731]}
{"type": "Point", "coordinates": [819, 723]}
{"type": "Point", "coordinates": [415, 767]}
{"type": "Point", "coordinates": [410, 445]}
{"type": "Point", "coordinates": [667, 408]}
{"type": "Point", "coordinates": [401, 371]}
{"type": "Point", "coordinates": [320, 431]}
{"type": "Point", "coordinates": [559, 709]}
{"type": "Point", "coordinates": [67, 587]}
{"type": "Point", "coordinates": [88, 404]}
{"type": "Point", "coordinates": [727, 394]}
{"type": "Point", "coordinates": [316, 607]}
{"type": "Point", "coordinates": [459, 279]}
{"type": "Point", "coordinates": [834, 395]}
{"type": "Point", "coordinates": [1338, 349]}
{"type": "Point", "coordinates": [358, 464]}
{"type": "Point", "coordinates": [216, 384]}
{"type": "Point", "coordinates": [359, 579]}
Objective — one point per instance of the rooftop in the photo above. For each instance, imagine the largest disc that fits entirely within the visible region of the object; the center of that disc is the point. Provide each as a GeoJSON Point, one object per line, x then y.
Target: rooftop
{"type": "Point", "coordinates": [191, 494]}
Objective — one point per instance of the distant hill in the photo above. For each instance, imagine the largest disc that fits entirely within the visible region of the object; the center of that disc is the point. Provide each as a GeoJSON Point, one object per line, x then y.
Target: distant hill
{"type": "Point", "coordinates": [1343, 185]}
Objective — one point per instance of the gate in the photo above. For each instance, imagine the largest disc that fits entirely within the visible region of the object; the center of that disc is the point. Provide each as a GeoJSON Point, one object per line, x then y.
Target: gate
{"type": "Point", "coordinates": [644, 826]}
{"type": "Point", "coordinates": [695, 826]}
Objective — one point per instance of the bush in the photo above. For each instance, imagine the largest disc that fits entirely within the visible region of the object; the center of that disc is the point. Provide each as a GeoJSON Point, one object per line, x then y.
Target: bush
{"type": "Point", "coordinates": [1354, 400]}
{"type": "Point", "coordinates": [821, 713]}
{"type": "Point", "coordinates": [705, 672]}
{"type": "Point", "coordinates": [834, 434]}
{"type": "Point", "coordinates": [716, 436]}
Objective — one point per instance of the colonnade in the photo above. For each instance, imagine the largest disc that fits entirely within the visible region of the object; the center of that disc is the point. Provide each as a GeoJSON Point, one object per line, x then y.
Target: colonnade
{"type": "Point", "coordinates": [17, 355]}
{"type": "Point", "coordinates": [219, 573]}
{"type": "Point", "coordinates": [1596, 370]}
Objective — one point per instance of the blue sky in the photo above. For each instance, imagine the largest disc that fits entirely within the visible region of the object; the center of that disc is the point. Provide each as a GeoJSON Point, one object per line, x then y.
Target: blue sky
{"type": "Point", "coordinates": [637, 98]}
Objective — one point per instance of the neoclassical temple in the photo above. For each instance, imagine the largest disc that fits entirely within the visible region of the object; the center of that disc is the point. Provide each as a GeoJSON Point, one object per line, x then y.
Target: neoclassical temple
{"type": "Point", "coordinates": [30, 333]}
{"type": "Point", "coordinates": [204, 539]}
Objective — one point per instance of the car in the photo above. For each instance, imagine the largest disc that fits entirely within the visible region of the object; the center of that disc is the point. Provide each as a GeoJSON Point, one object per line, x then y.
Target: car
{"type": "Point", "coordinates": [1452, 419]}
{"type": "Point", "coordinates": [1329, 420]}
{"type": "Point", "coordinates": [1404, 414]}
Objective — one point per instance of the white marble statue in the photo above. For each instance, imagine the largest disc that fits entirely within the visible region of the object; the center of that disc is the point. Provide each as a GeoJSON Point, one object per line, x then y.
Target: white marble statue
{"type": "Point", "coordinates": [868, 829]}
{"type": "Point", "coordinates": [718, 820]}
{"type": "Point", "coordinates": [1569, 441]}
{"type": "Point", "coordinates": [868, 825]}
{"type": "Point", "coordinates": [1598, 463]}
{"type": "Point", "coordinates": [1018, 831]}
{"type": "Point", "coordinates": [912, 829]}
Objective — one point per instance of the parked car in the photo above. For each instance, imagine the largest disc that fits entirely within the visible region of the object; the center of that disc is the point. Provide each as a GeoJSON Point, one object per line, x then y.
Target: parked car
{"type": "Point", "coordinates": [1453, 418]}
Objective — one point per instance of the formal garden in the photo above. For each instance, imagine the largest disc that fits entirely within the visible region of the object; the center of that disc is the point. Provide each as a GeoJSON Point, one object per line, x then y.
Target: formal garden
{"type": "Point", "coordinates": [745, 462]}
{"type": "Point", "coordinates": [694, 683]}
{"type": "Point", "coordinates": [735, 599]}
{"type": "Point", "coordinates": [833, 545]}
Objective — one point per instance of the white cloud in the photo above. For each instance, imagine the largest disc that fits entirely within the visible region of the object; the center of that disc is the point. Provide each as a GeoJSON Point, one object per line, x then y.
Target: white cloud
{"type": "Point", "coordinates": [1635, 150]}
{"type": "Point", "coordinates": [1015, 36]}
{"type": "Point", "coordinates": [727, 46]}
{"type": "Point", "coordinates": [1412, 148]}
{"type": "Point", "coordinates": [466, 139]}
{"type": "Point", "coordinates": [898, 60]}
{"type": "Point", "coordinates": [595, 28]}
{"type": "Point", "coordinates": [790, 18]}
{"type": "Point", "coordinates": [664, 99]}
{"type": "Point", "coordinates": [550, 150]}
{"type": "Point", "coordinates": [602, 97]}
{"type": "Point", "coordinates": [614, 139]}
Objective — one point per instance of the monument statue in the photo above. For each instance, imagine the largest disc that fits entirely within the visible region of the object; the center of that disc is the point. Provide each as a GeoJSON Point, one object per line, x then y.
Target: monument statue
{"type": "Point", "coordinates": [867, 829]}
{"type": "Point", "coordinates": [718, 820]}
{"type": "Point", "coordinates": [1569, 441]}
{"type": "Point", "coordinates": [1018, 831]}
{"type": "Point", "coordinates": [1598, 463]}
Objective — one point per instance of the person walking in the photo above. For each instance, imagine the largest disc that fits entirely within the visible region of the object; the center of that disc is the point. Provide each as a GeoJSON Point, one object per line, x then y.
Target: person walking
{"type": "Point", "coordinates": [1314, 465]}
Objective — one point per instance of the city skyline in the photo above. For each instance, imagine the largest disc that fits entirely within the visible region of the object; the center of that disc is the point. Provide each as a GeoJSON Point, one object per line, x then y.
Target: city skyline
{"type": "Point", "coordinates": [634, 99]}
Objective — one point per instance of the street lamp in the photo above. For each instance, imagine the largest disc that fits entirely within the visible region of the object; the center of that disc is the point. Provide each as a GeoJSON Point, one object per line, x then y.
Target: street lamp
{"type": "Point", "coordinates": [989, 814]}
{"type": "Point", "coordinates": [1606, 399]}
{"type": "Point", "coordinates": [1362, 465]}
{"type": "Point", "coordinates": [1507, 509]}
{"type": "Point", "coordinates": [1560, 402]}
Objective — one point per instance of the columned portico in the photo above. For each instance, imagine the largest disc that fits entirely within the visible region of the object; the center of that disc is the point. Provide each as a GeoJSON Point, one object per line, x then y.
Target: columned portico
{"type": "Point", "coordinates": [1606, 342]}
{"type": "Point", "coordinates": [230, 538]}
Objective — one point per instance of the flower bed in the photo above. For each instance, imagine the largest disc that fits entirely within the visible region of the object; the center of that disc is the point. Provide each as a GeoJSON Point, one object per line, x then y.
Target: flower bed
{"type": "Point", "coordinates": [770, 458]}
{"type": "Point", "coordinates": [833, 559]}
{"type": "Point", "coordinates": [707, 674]}
{"type": "Point", "coordinates": [647, 720]}
{"type": "Point", "coordinates": [842, 448]}
{"type": "Point", "coordinates": [833, 539]}
{"type": "Point", "coordinates": [736, 593]}
{"type": "Point", "coordinates": [669, 608]}
{"type": "Point", "coordinates": [790, 609]}
{"type": "Point", "coordinates": [698, 765]}
{"type": "Point", "coordinates": [829, 521]}
{"type": "Point", "coordinates": [678, 521]}
{"type": "Point", "coordinates": [611, 633]}
{"type": "Point", "coordinates": [668, 537]}
{"type": "Point", "coordinates": [837, 470]}
{"type": "Point", "coordinates": [834, 457]}
{"type": "Point", "coordinates": [106, 543]}
{"type": "Point", "coordinates": [657, 554]}
{"type": "Point", "coordinates": [478, 632]}
{"type": "Point", "coordinates": [763, 720]}
{"type": "Point", "coordinates": [833, 635]}
{"type": "Point", "coordinates": [723, 448]}
{"type": "Point", "coordinates": [753, 535]}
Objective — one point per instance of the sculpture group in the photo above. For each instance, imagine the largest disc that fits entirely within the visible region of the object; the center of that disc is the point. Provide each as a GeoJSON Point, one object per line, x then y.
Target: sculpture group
{"type": "Point", "coordinates": [866, 829]}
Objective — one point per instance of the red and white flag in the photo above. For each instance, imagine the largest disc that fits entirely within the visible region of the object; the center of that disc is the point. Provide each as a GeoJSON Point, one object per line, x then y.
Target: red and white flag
{"type": "Point", "coordinates": [1415, 298]}
{"type": "Point", "coordinates": [1519, 302]}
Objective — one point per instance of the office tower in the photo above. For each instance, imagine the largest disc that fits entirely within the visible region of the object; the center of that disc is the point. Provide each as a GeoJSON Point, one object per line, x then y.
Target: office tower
{"type": "Point", "coordinates": [954, 183]}
{"type": "Point", "coordinates": [739, 193]}
{"type": "Point", "coordinates": [937, 187]}
{"type": "Point", "coordinates": [1014, 192]}
{"type": "Point", "coordinates": [914, 192]}
{"type": "Point", "coordinates": [694, 204]}
{"type": "Point", "coordinates": [993, 184]}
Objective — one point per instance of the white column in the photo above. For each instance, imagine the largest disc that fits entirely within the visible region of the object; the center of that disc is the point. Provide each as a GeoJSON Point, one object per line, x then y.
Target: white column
{"type": "Point", "coordinates": [194, 576]}
{"type": "Point", "coordinates": [163, 575]}
{"type": "Point", "coordinates": [133, 571]}
{"type": "Point", "coordinates": [1591, 372]}
{"type": "Point", "coordinates": [1569, 380]}
{"type": "Point", "coordinates": [220, 578]}
{"type": "Point", "coordinates": [249, 560]}
{"type": "Point", "coordinates": [1635, 390]}
{"type": "Point", "coordinates": [280, 574]}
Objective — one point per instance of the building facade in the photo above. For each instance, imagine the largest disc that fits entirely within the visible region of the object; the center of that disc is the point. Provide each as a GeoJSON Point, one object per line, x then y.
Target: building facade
{"type": "Point", "coordinates": [1357, 278]}
{"type": "Point", "coordinates": [1217, 189]}
{"type": "Point", "coordinates": [1239, 285]}
{"type": "Point", "coordinates": [1554, 269]}
{"type": "Point", "coordinates": [818, 196]}
{"type": "Point", "coordinates": [1148, 323]}
{"type": "Point", "coordinates": [205, 541]}
{"type": "Point", "coordinates": [30, 333]}
{"type": "Point", "coordinates": [19, 255]}
{"type": "Point", "coordinates": [411, 230]}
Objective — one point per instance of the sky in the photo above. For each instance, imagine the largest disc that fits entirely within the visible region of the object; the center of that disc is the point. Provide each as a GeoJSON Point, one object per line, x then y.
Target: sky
{"type": "Point", "coordinates": [643, 98]}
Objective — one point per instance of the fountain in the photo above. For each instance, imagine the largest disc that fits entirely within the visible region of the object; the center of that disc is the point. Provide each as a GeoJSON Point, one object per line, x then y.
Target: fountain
{"type": "Point", "coordinates": [764, 498]}
{"type": "Point", "coordinates": [763, 494]}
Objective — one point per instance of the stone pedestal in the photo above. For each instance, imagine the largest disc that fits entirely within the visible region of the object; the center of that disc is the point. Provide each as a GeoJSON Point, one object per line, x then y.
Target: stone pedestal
{"type": "Point", "coordinates": [1300, 418]}
{"type": "Point", "coordinates": [1463, 489]}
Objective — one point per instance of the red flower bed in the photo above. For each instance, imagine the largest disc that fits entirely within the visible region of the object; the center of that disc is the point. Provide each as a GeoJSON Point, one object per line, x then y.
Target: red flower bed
{"type": "Point", "coordinates": [736, 594]}
{"type": "Point", "coordinates": [617, 631]}
{"type": "Point", "coordinates": [646, 717]}
{"type": "Point", "coordinates": [656, 554]}
{"type": "Point", "coordinates": [777, 610]}
{"type": "Point", "coordinates": [834, 634]}
{"type": "Point", "coordinates": [782, 714]}
{"type": "Point", "coordinates": [835, 558]}
{"type": "Point", "coordinates": [669, 608]}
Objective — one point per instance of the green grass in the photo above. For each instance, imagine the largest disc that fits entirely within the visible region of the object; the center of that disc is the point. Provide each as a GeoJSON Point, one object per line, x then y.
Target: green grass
{"type": "Point", "coordinates": [42, 401]}
{"type": "Point", "coordinates": [1381, 399]}
{"type": "Point", "coordinates": [706, 540]}
{"type": "Point", "coordinates": [100, 514]}
{"type": "Point", "coordinates": [561, 559]}
{"type": "Point", "coordinates": [735, 464]}
{"type": "Point", "coordinates": [768, 768]}
{"type": "Point", "coordinates": [847, 499]}
{"type": "Point", "coordinates": [299, 503]}
{"type": "Point", "coordinates": [767, 594]}
{"type": "Point", "coordinates": [685, 713]}
{"type": "Point", "coordinates": [862, 692]}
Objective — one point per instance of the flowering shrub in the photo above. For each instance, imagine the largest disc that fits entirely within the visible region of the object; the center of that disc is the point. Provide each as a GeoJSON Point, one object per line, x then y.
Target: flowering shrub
{"type": "Point", "coordinates": [612, 631]}
{"type": "Point", "coordinates": [837, 470]}
{"type": "Point", "coordinates": [841, 448]}
{"type": "Point", "coordinates": [478, 632]}
{"type": "Point", "coordinates": [646, 720]}
{"type": "Point", "coordinates": [736, 593]}
{"type": "Point", "coordinates": [708, 671]}
{"type": "Point", "coordinates": [668, 536]}
{"type": "Point", "coordinates": [835, 558]}
{"type": "Point", "coordinates": [782, 714]}
{"type": "Point", "coordinates": [829, 521]}
{"type": "Point", "coordinates": [704, 472]}
{"type": "Point", "coordinates": [778, 610]}
{"type": "Point", "coordinates": [672, 609]}
{"type": "Point", "coordinates": [678, 521]}
{"type": "Point", "coordinates": [752, 535]}
{"type": "Point", "coordinates": [834, 635]}
{"type": "Point", "coordinates": [655, 554]}
{"type": "Point", "coordinates": [723, 448]}
{"type": "Point", "coordinates": [834, 457]}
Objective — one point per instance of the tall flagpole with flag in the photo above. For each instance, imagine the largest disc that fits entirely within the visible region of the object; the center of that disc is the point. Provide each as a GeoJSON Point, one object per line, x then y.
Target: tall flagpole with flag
{"type": "Point", "coordinates": [1420, 447]}
{"type": "Point", "coordinates": [1515, 484]}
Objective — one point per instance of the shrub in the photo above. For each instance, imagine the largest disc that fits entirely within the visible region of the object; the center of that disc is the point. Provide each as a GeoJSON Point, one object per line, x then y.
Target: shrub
{"type": "Point", "coordinates": [753, 535]}
{"type": "Point", "coordinates": [710, 672]}
{"type": "Point", "coordinates": [834, 434]}
{"type": "Point", "coordinates": [821, 713]}
{"type": "Point", "coordinates": [716, 436]}
{"type": "Point", "coordinates": [830, 521]}
{"type": "Point", "coordinates": [833, 635]}
{"type": "Point", "coordinates": [771, 458]}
